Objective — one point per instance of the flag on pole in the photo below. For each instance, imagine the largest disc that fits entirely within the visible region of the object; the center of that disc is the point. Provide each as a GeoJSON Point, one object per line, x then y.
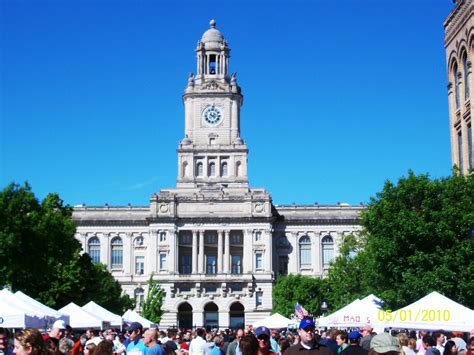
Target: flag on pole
{"type": "Point", "coordinates": [300, 311]}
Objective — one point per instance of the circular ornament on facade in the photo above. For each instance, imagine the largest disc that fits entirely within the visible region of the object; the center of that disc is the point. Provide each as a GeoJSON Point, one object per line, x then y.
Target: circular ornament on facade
{"type": "Point", "coordinates": [164, 208]}
{"type": "Point", "coordinates": [259, 207]}
{"type": "Point", "coordinates": [212, 115]}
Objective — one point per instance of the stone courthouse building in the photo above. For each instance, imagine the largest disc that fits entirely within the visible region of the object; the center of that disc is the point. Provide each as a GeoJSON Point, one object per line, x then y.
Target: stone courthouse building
{"type": "Point", "coordinates": [459, 43]}
{"type": "Point", "coordinates": [214, 243]}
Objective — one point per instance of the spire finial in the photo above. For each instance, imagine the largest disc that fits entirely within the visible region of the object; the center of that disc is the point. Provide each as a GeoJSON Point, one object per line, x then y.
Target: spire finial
{"type": "Point", "coordinates": [212, 23]}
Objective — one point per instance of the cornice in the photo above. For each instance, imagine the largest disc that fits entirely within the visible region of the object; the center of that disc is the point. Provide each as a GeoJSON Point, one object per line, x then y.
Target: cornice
{"type": "Point", "coordinates": [110, 222]}
{"type": "Point", "coordinates": [213, 220]}
{"type": "Point", "coordinates": [212, 94]}
{"type": "Point", "coordinates": [456, 21]}
{"type": "Point", "coordinates": [318, 221]}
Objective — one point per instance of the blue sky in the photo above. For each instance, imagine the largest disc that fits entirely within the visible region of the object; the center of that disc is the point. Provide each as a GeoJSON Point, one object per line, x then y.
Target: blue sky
{"type": "Point", "coordinates": [339, 96]}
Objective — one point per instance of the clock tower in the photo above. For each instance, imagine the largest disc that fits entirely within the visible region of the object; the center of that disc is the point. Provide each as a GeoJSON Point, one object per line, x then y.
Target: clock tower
{"type": "Point", "coordinates": [212, 154]}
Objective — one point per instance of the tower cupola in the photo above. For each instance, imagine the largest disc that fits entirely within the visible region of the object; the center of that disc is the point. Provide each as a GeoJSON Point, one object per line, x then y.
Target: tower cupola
{"type": "Point", "coordinates": [212, 56]}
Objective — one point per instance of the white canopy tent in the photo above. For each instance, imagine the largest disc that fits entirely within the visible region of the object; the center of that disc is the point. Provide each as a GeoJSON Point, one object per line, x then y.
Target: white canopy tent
{"type": "Point", "coordinates": [81, 319]}
{"type": "Point", "coordinates": [41, 307]}
{"type": "Point", "coordinates": [25, 311]}
{"type": "Point", "coordinates": [12, 316]}
{"type": "Point", "coordinates": [132, 316]}
{"type": "Point", "coordinates": [433, 312]}
{"type": "Point", "coordinates": [94, 308]}
{"type": "Point", "coordinates": [275, 321]}
{"type": "Point", "coordinates": [355, 314]}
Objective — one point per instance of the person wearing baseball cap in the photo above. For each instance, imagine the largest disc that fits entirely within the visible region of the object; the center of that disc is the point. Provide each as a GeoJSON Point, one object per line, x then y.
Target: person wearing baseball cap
{"type": "Point", "coordinates": [307, 345]}
{"type": "Point", "coordinates": [384, 343]}
{"type": "Point", "coordinates": [136, 345]}
{"type": "Point", "coordinates": [354, 348]}
{"type": "Point", "coordinates": [263, 337]}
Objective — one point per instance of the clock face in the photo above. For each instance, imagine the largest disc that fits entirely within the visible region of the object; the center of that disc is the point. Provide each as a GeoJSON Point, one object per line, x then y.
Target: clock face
{"type": "Point", "coordinates": [212, 115]}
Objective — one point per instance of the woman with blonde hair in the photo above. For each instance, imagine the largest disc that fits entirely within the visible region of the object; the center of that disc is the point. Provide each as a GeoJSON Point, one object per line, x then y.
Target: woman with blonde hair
{"type": "Point", "coordinates": [29, 342]}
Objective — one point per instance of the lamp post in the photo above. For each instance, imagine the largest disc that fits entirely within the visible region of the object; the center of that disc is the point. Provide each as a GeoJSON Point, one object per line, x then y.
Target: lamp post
{"type": "Point", "coordinates": [324, 307]}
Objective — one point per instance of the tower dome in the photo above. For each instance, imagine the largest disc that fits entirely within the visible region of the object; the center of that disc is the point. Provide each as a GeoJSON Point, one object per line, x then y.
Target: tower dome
{"type": "Point", "coordinates": [212, 37]}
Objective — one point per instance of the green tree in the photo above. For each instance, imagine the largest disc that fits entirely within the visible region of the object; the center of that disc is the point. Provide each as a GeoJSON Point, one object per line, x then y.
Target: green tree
{"type": "Point", "coordinates": [417, 238]}
{"type": "Point", "coordinates": [308, 291]}
{"type": "Point", "coordinates": [154, 301]}
{"type": "Point", "coordinates": [40, 256]}
{"type": "Point", "coordinates": [344, 279]}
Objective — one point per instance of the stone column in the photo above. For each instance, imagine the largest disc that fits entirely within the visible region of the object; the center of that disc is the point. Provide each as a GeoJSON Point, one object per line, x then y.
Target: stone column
{"type": "Point", "coordinates": [248, 251]}
{"type": "Point", "coordinates": [224, 319]}
{"type": "Point", "coordinates": [227, 252]}
{"type": "Point", "coordinates": [195, 252]}
{"type": "Point", "coordinates": [198, 318]}
{"type": "Point", "coordinates": [128, 259]}
{"type": "Point", "coordinates": [267, 266]}
{"type": "Point", "coordinates": [173, 252]}
{"type": "Point", "coordinates": [294, 255]}
{"type": "Point", "coordinates": [219, 252]}
{"type": "Point", "coordinates": [234, 120]}
{"type": "Point", "coordinates": [151, 252]}
{"type": "Point", "coordinates": [201, 252]}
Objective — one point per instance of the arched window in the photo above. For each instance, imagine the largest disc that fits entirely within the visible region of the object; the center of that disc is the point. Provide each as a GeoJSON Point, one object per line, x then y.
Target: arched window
{"type": "Point", "coordinates": [139, 241]}
{"type": "Point", "coordinates": [328, 250]}
{"type": "Point", "coordinates": [93, 249]}
{"type": "Point", "coordinates": [116, 253]}
{"type": "Point", "coordinates": [467, 89]}
{"type": "Point", "coordinates": [199, 169]}
{"type": "Point", "coordinates": [456, 85]}
{"type": "Point", "coordinates": [224, 170]}
{"type": "Point", "coordinates": [305, 252]}
{"type": "Point", "coordinates": [211, 316]}
{"type": "Point", "coordinates": [212, 169]}
{"type": "Point", "coordinates": [139, 294]}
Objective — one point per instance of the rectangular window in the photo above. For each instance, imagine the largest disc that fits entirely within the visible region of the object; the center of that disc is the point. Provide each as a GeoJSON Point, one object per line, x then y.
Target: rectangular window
{"type": "Point", "coordinates": [94, 253]}
{"type": "Point", "coordinates": [461, 165]}
{"type": "Point", "coordinates": [211, 239]}
{"type": "Point", "coordinates": [236, 264]}
{"type": "Point", "coordinates": [236, 239]}
{"type": "Point", "coordinates": [258, 236]}
{"type": "Point", "coordinates": [184, 287]}
{"type": "Point", "coordinates": [163, 261]}
{"type": "Point", "coordinates": [305, 256]}
{"type": "Point", "coordinates": [258, 298]}
{"type": "Point", "coordinates": [186, 239]}
{"type": "Point", "coordinates": [116, 257]}
{"type": "Point", "coordinates": [258, 261]}
{"type": "Point", "coordinates": [236, 287]}
{"type": "Point", "coordinates": [210, 288]}
{"type": "Point", "coordinates": [139, 265]}
{"type": "Point", "coordinates": [328, 255]}
{"type": "Point", "coordinates": [162, 236]}
{"type": "Point", "coordinates": [185, 264]}
{"type": "Point", "coordinates": [211, 264]}
{"type": "Point", "coordinates": [283, 265]}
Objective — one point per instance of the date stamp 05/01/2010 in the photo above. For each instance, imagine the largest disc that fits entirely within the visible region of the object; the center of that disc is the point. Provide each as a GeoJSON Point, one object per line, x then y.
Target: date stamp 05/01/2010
{"type": "Point", "coordinates": [420, 315]}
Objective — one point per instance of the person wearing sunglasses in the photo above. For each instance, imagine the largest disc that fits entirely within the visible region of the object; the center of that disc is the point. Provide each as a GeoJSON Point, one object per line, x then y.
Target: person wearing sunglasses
{"type": "Point", "coordinates": [308, 344]}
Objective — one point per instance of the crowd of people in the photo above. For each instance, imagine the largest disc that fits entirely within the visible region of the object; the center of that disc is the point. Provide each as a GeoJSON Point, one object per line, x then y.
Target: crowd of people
{"type": "Point", "coordinates": [306, 340]}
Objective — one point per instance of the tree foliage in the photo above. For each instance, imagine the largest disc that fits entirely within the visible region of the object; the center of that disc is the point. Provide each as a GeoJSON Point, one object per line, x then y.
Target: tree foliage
{"type": "Point", "coordinates": [417, 237]}
{"type": "Point", "coordinates": [306, 290]}
{"type": "Point", "coordinates": [154, 300]}
{"type": "Point", "coordinates": [40, 256]}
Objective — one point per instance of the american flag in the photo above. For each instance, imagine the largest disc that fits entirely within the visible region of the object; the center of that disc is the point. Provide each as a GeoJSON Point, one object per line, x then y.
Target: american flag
{"type": "Point", "coordinates": [300, 311]}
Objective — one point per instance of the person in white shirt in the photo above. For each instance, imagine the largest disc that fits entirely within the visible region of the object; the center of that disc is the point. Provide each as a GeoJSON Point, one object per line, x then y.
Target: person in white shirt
{"type": "Point", "coordinates": [199, 345]}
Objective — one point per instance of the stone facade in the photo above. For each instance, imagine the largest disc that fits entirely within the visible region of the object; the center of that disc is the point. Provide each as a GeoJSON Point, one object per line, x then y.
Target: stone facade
{"type": "Point", "coordinates": [459, 42]}
{"type": "Point", "coordinates": [213, 243]}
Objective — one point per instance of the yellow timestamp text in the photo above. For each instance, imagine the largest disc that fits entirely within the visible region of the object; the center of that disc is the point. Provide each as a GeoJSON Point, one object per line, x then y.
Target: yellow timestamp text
{"type": "Point", "coordinates": [419, 315]}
